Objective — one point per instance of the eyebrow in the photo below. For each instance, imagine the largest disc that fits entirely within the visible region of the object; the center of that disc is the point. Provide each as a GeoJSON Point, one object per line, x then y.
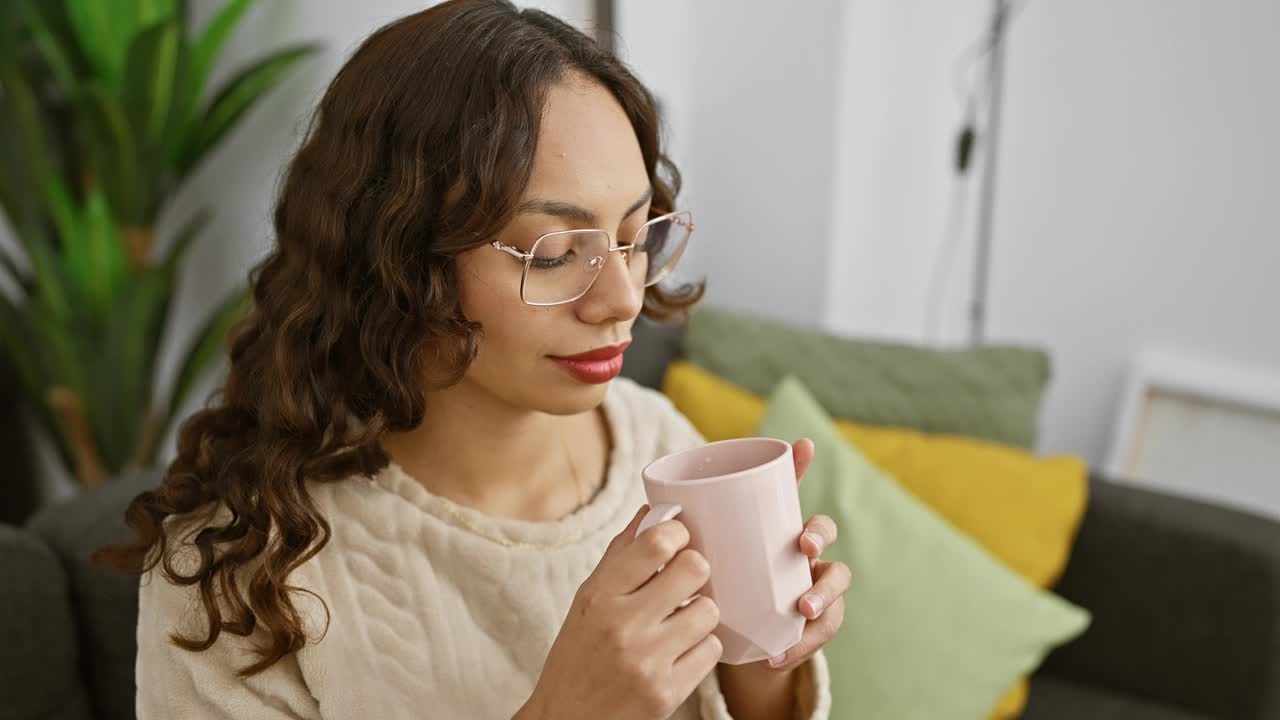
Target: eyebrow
{"type": "Point", "coordinates": [575, 212]}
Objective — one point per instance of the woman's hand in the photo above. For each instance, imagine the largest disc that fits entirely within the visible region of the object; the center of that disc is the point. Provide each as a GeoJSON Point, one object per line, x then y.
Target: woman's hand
{"type": "Point", "coordinates": [824, 604]}
{"type": "Point", "coordinates": [627, 650]}
{"type": "Point", "coordinates": [759, 689]}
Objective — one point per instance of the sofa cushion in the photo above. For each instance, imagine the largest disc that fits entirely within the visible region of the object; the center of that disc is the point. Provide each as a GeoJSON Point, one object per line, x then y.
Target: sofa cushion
{"type": "Point", "coordinates": [1021, 508]}
{"type": "Point", "coordinates": [39, 673]}
{"type": "Point", "coordinates": [105, 603]}
{"type": "Point", "coordinates": [990, 393]}
{"type": "Point", "coordinates": [934, 626]}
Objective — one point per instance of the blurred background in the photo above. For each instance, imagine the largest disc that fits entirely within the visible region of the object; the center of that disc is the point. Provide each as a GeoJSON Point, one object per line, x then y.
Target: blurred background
{"type": "Point", "coordinates": [1134, 194]}
{"type": "Point", "coordinates": [1095, 180]}
{"type": "Point", "coordinates": [1133, 203]}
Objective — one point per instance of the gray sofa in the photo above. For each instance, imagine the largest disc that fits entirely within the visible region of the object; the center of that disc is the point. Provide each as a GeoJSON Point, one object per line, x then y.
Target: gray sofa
{"type": "Point", "coordinates": [1185, 599]}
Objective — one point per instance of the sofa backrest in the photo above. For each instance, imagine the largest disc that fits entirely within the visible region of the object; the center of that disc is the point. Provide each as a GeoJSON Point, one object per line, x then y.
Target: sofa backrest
{"type": "Point", "coordinates": [39, 654]}
{"type": "Point", "coordinates": [653, 347]}
{"type": "Point", "coordinates": [104, 604]}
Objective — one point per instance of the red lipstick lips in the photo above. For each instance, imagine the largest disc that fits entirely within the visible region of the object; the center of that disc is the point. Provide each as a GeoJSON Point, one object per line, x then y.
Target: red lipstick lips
{"type": "Point", "coordinates": [595, 366]}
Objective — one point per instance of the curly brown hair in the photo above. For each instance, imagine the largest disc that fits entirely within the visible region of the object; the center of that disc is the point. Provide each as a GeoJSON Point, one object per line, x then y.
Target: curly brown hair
{"type": "Point", "coordinates": [421, 148]}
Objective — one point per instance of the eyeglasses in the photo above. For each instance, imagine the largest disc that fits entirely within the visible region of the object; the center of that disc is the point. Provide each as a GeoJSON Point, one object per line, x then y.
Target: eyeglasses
{"type": "Point", "coordinates": [562, 266]}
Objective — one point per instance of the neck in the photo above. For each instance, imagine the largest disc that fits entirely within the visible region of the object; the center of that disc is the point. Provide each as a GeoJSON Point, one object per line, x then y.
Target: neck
{"type": "Point", "coordinates": [503, 460]}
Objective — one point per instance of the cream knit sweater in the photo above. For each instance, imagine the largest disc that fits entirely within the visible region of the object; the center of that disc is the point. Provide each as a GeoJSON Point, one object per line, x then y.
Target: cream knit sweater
{"type": "Point", "coordinates": [428, 619]}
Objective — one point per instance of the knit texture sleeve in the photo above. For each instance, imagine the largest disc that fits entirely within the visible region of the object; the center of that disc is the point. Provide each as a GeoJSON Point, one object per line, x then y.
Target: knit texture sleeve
{"type": "Point", "coordinates": [178, 684]}
{"type": "Point", "coordinates": [813, 693]}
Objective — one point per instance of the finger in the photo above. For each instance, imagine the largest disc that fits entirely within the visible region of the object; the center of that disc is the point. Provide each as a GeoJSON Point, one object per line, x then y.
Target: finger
{"type": "Point", "coordinates": [685, 575]}
{"type": "Point", "coordinates": [685, 627]}
{"type": "Point", "coordinates": [628, 533]}
{"type": "Point", "coordinates": [817, 633]}
{"type": "Point", "coordinates": [819, 534]}
{"type": "Point", "coordinates": [690, 668]}
{"type": "Point", "coordinates": [832, 583]}
{"type": "Point", "coordinates": [650, 550]}
{"type": "Point", "coordinates": [802, 455]}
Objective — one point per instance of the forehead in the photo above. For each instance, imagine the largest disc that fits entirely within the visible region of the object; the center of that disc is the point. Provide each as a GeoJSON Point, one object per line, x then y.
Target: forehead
{"type": "Point", "coordinates": [587, 149]}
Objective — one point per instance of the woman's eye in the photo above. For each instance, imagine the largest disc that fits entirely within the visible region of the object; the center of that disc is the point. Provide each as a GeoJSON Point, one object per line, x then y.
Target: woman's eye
{"type": "Point", "coordinates": [548, 263]}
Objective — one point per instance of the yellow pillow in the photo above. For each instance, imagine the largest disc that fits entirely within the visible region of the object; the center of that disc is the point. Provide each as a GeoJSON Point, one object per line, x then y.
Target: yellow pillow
{"type": "Point", "coordinates": [1024, 510]}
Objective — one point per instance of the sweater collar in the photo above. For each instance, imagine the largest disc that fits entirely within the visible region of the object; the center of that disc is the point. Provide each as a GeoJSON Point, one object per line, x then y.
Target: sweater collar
{"type": "Point", "coordinates": [598, 515]}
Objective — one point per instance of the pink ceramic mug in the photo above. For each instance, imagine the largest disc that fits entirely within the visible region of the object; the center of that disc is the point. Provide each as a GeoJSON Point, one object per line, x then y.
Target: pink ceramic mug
{"type": "Point", "coordinates": [739, 500]}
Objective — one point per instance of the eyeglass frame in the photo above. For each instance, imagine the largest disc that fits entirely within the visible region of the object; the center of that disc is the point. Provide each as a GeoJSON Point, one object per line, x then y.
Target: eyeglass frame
{"type": "Point", "coordinates": [528, 257]}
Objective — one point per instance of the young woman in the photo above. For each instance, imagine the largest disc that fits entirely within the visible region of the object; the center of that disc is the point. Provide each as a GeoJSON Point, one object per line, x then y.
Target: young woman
{"type": "Point", "coordinates": [417, 495]}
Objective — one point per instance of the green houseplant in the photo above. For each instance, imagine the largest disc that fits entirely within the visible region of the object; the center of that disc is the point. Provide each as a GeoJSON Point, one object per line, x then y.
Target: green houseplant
{"type": "Point", "coordinates": [104, 111]}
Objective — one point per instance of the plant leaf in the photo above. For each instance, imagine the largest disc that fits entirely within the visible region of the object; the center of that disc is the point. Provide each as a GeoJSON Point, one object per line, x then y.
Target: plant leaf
{"type": "Point", "coordinates": [116, 159]}
{"type": "Point", "coordinates": [153, 75]}
{"type": "Point", "coordinates": [51, 38]}
{"type": "Point", "coordinates": [234, 99]}
{"type": "Point", "coordinates": [122, 385]}
{"type": "Point", "coordinates": [64, 214]}
{"type": "Point", "coordinates": [103, 250]}
{"type": "Point", "coordinates": [166, 273]}
{"type": "Point", "coordinates": [106, 30]}
{"type": "Point", "coordinates": [24, 113]}
{"type": "Point", "coordinates": [93, 252]}
{"type": "Point", "coordinates": [97, 28]}
{"type": "Point", "coordinates": [51, 281]}
{"type": "Point", "coordinates": [122, 375]}
{"type": "Point", "coordinates": [57, 339]}
{"type": "Point", "coordinates": [210, 344]}
{"type": "Point", "coordinates": [150, 11]}
{"type": "Point", "coordinates": [144, 443]}
{"type": "Point", "coordinates": [204, 55]}
{"type": "Point", "coordinates": [76, 265]}
{"type": "Point", "coordinates": [23, 157]}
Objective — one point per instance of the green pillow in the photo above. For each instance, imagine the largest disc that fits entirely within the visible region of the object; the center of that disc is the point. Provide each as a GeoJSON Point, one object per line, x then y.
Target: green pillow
{"type": "Point", "coordinates": [934, 627]}
{"type": "Point", "coordinates": [990, 393]}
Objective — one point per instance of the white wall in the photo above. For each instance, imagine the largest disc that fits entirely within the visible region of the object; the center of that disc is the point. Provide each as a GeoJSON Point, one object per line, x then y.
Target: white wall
{"type": "Point", "coordinates": [1137, 177]}
{"type": "Point", "coordinates": [1136, 192]}
{"type": "Point", "coordinates": [748, 87]}
{"type": "Point", "coordinates": [1138, 200]}
{"type": "Point", "coordinates": [899, 113]}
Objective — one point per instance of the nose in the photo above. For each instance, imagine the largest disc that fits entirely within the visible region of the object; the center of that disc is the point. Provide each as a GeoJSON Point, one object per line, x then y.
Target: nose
{"type": "Point", "coordinates": [614, 296]}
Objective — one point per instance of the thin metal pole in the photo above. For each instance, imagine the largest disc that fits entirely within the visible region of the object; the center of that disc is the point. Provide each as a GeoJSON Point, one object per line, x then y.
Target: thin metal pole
{"type": "Point", "coordinates": [604, 24]}
{"type": "Point", "coordinates": [982, 254]}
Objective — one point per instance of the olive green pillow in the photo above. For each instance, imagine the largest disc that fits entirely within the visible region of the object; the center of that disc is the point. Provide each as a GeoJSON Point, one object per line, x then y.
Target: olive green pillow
{"type": "Point", "coordinates": [992, 393]}
{"type": "Point", "coordinates": [934, 627]}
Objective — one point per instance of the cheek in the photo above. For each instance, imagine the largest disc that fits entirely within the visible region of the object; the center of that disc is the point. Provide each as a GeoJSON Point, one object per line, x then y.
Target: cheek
{"type": "Point", "coordinates": [480, 289]}
{"type": "Point", "coordinates": [513, 331]}
{"type": "Point", "coordinates": [489, 296]}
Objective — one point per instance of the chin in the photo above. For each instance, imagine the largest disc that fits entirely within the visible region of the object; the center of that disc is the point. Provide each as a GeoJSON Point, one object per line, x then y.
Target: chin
{"type": "Point", "coordinates": [570, 396]}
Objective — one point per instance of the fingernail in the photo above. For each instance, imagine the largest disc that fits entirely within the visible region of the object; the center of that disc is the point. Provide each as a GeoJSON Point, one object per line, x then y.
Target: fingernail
{"type": "Point", "coordinates": [776, 660]}
{"type": "Point", "coordinates": [815, 603]}
{"type": "Point", "coordinates": [813, 538]}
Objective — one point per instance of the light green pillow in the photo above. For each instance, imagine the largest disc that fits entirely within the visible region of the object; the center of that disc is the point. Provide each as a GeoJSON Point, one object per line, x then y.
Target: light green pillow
{"type": "Point", "coordinates": [990, 392]}
{"type": "Point", "coordinates": [934, 627]}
